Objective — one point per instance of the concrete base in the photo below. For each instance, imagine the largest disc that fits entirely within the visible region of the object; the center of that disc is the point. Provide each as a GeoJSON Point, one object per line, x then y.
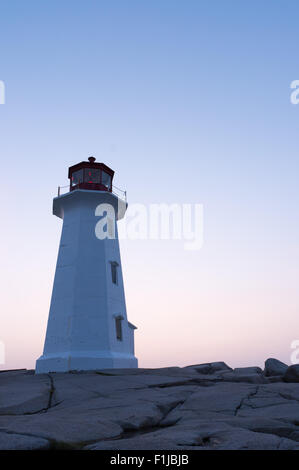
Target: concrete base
{"type": "Point", "coordinates": [86, 360]}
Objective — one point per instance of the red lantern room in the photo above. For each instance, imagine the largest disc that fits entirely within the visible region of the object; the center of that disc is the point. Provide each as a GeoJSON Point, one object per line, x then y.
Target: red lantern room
{"type": "Point", "coordinates": [91, 175]}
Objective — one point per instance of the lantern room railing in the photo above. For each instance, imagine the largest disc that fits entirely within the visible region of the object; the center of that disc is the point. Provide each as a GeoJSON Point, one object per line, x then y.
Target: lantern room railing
{"type": "Point", "coordinates": [115, 190]}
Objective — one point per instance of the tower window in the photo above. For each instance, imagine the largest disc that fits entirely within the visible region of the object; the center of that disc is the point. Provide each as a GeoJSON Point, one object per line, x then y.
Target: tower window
{"type": "Point", "coordinates": [114, 272]}
{"type": "Point", "coordinates": [118, 327]}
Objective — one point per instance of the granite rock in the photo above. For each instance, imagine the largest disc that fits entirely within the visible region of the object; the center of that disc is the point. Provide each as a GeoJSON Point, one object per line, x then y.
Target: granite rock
{"type": "Point", "coordinates": [274, 367]}
{"type": "Point", "coordinates": [200, 407]}
{"type": "Point", "coordinates": [292, 374]}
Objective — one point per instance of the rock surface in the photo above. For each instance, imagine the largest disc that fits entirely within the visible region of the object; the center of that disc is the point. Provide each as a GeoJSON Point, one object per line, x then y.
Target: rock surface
{"type": "Point", "coordinates": [273, 367]}
{"type": "Point", "coordinates": [200, 407]}
{"type": "Point", "coordinates": [292, 374]}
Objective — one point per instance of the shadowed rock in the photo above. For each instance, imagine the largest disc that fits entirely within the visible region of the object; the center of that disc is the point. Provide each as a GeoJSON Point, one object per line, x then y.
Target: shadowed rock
{"type": "Point", "coordinates": [206, 436]}
{"type": "Point", "coordinates": [251, 378]}
{"type": "Point", "coordinates": [247, 370]}
{"type": "Point", "coordinates": [292, 374]}
{"type": "Point", "coordinates": [210, 368]}
{"type": "Point", "coordinates": [274, 367]}
{"type": "Point", "coordinates": [23, 393]}
{"type": "Point", "coordinates": [11, 441]}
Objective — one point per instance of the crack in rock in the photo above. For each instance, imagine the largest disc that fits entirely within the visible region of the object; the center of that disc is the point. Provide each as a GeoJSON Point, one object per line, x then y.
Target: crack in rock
{"type": "Point", "coordinates": [131, 433]}
{"type": "Point", "coordinates": [247, 397]}
{"type": "Point", "coordinates": [51, 393]}
{"type": "Point", "coordinates": [198, 382]}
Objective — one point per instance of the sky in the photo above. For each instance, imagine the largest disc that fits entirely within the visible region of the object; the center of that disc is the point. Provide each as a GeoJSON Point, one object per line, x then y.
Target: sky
{"type": "Point", "coordinates": [189, 103]}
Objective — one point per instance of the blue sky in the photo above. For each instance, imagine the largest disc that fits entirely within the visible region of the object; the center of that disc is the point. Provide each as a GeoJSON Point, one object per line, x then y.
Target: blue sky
{"type": "Point", "coordinates": [189, 102]}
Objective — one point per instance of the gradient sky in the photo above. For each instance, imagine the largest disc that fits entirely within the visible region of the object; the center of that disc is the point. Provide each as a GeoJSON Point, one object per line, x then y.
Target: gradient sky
{"type": "Point", "coordinates": [189, 102]}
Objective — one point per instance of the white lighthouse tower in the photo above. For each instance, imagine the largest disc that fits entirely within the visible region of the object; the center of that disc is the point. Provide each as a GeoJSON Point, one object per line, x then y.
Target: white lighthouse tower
{"type": "Point", "coordinates": [87, 326]}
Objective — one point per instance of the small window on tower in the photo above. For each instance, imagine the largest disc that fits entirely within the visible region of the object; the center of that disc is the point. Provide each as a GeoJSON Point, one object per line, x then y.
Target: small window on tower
{"type": "Point", "coordinates": [118, 326]}
{"type": "Point", "coordinates": [114, 272]}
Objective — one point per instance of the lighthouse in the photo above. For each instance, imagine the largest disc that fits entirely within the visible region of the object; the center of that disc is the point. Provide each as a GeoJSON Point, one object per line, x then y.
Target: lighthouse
{"type": "Point", "coordinates": [87, 326]}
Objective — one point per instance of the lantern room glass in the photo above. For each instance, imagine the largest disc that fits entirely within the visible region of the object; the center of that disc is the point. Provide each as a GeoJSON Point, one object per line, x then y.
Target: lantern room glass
{"type": "Point", "coordinates": [92, 175]}
{"type": "Point", "coordinates": [77, 177]}
{"type": "Point", "coordinates": [106, 180]}
{"type": "Point", "coordinates": [97, 178]}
